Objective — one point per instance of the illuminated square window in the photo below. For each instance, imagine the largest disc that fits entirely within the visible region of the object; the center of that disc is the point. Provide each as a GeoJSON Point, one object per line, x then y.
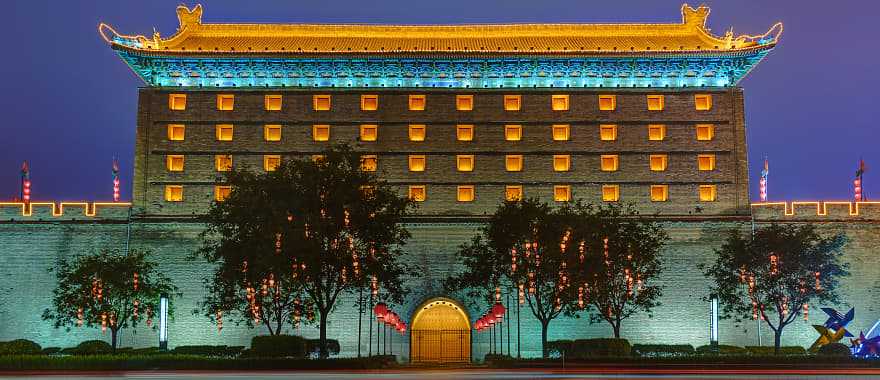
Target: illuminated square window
{"type": "Point", "coordinates": [417, 132]}
{"type": "Point", "coordinates": [561, 162]}
{"type": "Point", "coordinates": [177, 102]}
{"type": "Point", "coordinates": [369, 102]}
{"type": "Point", "coordinates": [465, 193]}
{"type": "Point", "coordinates": [706, 161]}
{"type": "Point", "coordinates": [562, 193]}
{"type": "Point", "coordinates": [174, 162]}
{"type": "Point", "coordinates": [176, 132]}
{"type": "Point", "coordinates": [272, 132]}
{"type": "Point", "coordinates": [221, 192]}
{"type": "Point", "coordinates": [512, 102]}
{"type": "Point", "coordinates": [369, 162]}
{"type": "Point", "coordinates": [561, 132]}
{"type": "Point", "coordinates": [464, 162]}
{"type": "Point", "coordinates": [318, 158]}
{"type": "Point", "coordinates": [417, 193]}
{"type": "Point", "coordinates": [658, 162]}
{"type": "Point", "coordinates": [321, 102]}
{"type": "Point", "coordinates": [271, 162]}
{"type": "Point", "coordinates": [705, 132]}
{"type": "Point", "coordinates": [559, 102]}
{"type": "Point", "coordinates": [609, 162]}
{"type": "Point", "coordinates": [513, 193]}
{"type": "Point", "coordinates": [272, 102]}
{"type": "Point", "coordinates": [464, 102]}
{"type": "Point", "coordinates": [464, 132]}
{"type": "Point", "coordinates": [369, 132]}
{"type": "Point", "coordinates": [513, 162]}
{"type": "Point", "coordinates": [513, 132]}
{"type": "Point", "coordinates": [225, 102]}
{"type": "Point", "coordinates": [223, 162]}
{"type": "Point", "coordinates": [607, 102]}
{"type": "Point", "coordinates": [321, 132]}
{"type": "Point", "coordinates": [610, 193]}
{"type": "Point", "coordinates": [659, 193]}
{"type": "Point", "coordinates": [608, 132]}
{"type": "Point", "coordinates": [703, 102]}
{"type": "Point", "coordinates": [708, 193]}
{"type": "Point", "coordinates": [174, 193]}
{"type": "Point", "coordinates": [656, 132]}
{"type": "Point", "coordinates": [224, 132]}
{"type": "Point", "coordinates": [416, 163]}
{"type": "Point", "coordinates": [655, 102]}
{"type": "Point", "coordinates": [417, 102]}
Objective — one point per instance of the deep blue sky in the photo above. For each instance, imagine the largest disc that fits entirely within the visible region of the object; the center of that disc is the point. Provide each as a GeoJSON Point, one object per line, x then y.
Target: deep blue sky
{"type": "Point", "coordinates": [70, 103]}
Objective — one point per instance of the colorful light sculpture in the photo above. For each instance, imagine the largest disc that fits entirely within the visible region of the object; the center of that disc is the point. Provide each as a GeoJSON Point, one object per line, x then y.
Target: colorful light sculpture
{"type": "Point", "coordinates": [763, 182]}
{"type": "Point", "coordinates": [866, 347]}
{"type": "Point", "coordinates": [115, 180]}
{"type": "Point", "coordinates": [857, 183]}
{"type": "Point", "coordinates": [834, 328]}
{"type": "Point", "coordinates": [25, 183]}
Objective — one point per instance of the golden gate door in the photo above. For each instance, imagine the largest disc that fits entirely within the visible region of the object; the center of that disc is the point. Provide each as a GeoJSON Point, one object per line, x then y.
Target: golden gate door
{"type": "Point", "coordinates": [440, 333]}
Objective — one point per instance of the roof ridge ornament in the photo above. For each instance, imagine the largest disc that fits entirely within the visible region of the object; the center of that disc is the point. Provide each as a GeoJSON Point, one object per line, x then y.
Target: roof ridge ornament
{"type": "Point", "coordinates": [695, 16]}
{"type": "Point", "coordinates": [188, 17]}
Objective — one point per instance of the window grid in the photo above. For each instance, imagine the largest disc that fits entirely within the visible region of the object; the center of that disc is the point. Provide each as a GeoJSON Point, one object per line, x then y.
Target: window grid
{"type": "Point", "coordinates": [513, 162]}
{"type": "Point", "coordinates": [562, 193]}
{"type": "Point", "coordinates": [559, 102]}
{"type": "Point", "coordinates": [174, 193]}
{"type": "Point", "coordinates": [225, 102]}
{"type": "Point", "coordinates": [417, 102]}
{"type": "Point", "coordinates": [369, 132]}
{"type": "Point", "coordinates": [417, 132]}
{"type": "Point", "coordinates": [321, 102]}
{"type": "Point", "coordinates": [608, 132]}
{"type": "Point", "coordinates": [513, 132]}
{"type": "Point", "coordinates": [464, 102]}
{"type": "Point", "coordinates": [272, 132]}
{"type": "Point", "coordinates": [561, 132]}
{"type": "Point", "coordinates": [176, 132]}
{"type": "Point", "coordinates": [224, 132]}
{"type": "Point", "coordinates": [272, 102]}
{"type": "Point", "coordinates": [369, 102]}
{"type": "Point", "coordinates": [610, 193]}
{"type": "Point", "coordinates": [609, 162]}
{"type": "Point", "coordinates": [512, 102]}
{"type": "Point", "coordinates": [658, 162]}
{"type": "Point", "coordinates": [465, 193]}
{"type": "Point", "coordinates": [561, 162]}
{"type": "Point", "coordinates": [177, 102]}
{"type": "Point", "coordinates": [464, 132]}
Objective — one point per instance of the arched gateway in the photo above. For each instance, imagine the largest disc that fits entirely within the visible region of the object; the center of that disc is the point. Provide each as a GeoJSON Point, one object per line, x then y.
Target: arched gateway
{"type": "Point", "coordinates": [440, 333]}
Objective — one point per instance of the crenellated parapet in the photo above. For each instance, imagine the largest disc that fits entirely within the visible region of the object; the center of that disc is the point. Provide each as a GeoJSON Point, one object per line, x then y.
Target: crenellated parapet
{"type": "Point", "coordinates": [816, 211]}
{"type": "Point", "coordinates": [63, 211]}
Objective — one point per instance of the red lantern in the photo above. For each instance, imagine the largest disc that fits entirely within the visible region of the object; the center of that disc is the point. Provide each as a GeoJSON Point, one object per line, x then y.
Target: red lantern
{"type": "Point", "coordinates": [498, 310]}
{"type": "Point", "coordinates": [380, 310]}
{"type": "Point", "coordinates": [391, 318]}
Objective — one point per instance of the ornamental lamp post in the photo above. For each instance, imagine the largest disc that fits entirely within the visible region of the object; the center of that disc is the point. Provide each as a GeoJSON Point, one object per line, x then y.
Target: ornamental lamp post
{"type": "Point", "coordinates": [163, 322]}
{"type": "Point", "coordinates": [713, 321]}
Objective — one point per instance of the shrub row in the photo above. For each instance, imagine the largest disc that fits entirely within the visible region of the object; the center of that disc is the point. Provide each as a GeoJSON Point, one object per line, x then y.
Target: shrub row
{"type": "Point", "coordinates": [662, 350]}
{"type": "Point", "coordinates": [590, 348]}
{"type": "Point", "coordinates": [181, 362]}
{"type": "Point", "coordinates": [20, 347]}
{"type": "Point", "coordinates": [204, 350]}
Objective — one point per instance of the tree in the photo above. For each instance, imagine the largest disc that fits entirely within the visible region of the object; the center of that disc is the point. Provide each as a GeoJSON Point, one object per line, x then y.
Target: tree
{"type": "Point", "coordinates": [110, 290]}
{"type": "Point", "coordinates": [776, 273]}
{"type": "Point", "coordinates": [312, 228]}
{"type": "Point", "coordinates": [617, 275]}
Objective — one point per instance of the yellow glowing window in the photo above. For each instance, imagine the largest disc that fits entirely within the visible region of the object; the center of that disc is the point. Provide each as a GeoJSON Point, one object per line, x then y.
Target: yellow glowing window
{"type": "Point", "coordinates": [174, 193]}
{"type": "Point", "coordinates": [464, 102]}
{"type": "Point", "coordinates": [608, 132]}
{"type": "Point", "coordinates": [655, 102]}
{"type": "Point", "coordinates": [706, 161]}
{"type": "Point", "coordinates": [369, 132]}
{"type": "Point", "coordinates": [321, 102]}
{"type": "Point", "coordinates": [416, 163]}
{"type": "Point", "coordinates": [369, 102]}
{"type": "Point", "coordinates": [705, 132]}
{"type": "Point", "coordinates": [225, 102]}
{"type": "Point", "coordinates": [512, 102]}
{"type": "Point", "coordinates": [417, 102]}
{"type": "Point", "coordinates": [224, 132]}
{"type": "Point", "coordinates": [318, 158]}
{"type": "Point", "coordinates": [609, 162]}
{"type": "Point", "coordinates": [562, 193]}
{"type": "Point", "coordinates": [272, 132]}
{"type": "Point", "coordinates": [465, 162]}
{"type": "Point", "coordinates": [223, 162]}
{"type": "Point", "coordinates": [222, 192]}
{"type": "Point", "coordinates": [271, 162]}
{"type": "Point", "coordinates": [272, 102]}
{"type": "Point", "coordinates": [368, 191]}
{"type": "Point", "coordinates": [417, 132]}
{"type": "Point", "coordinates": [464, 132]}
{"type": "Point", "coordinates": [417, 193]}
{"type": "Point", "coordinates": [561, 132]}
{"type": "Point", "coordinates": [658, 162]}
{"type": "Point", "coordinates": [320, 132]}
{"type": "Point", "coordinates": [610, 193]}
{"type": "Point", "coordinates": [703, 102]}
{"type": "Point", "coordinates": [465, 193]}
{"type": "Point", "coordinates": [559, 102]}
{"type": "Point", "coordinates": [177, 102]}
{"type": "Point", "coordinates": [176, 132]}
{"type": "Point", "coordinates": [513, 193]}
{"type": "Point", "coordinates": [561, 162]}
{"type": "Point", "coordinates": [607, 102]}
{"type": "Point", "coordinates": [513, 162]}
{"type": "Point", "coordinates": [659, 193]}
{"type": "Point", "coordinates": [174, 162]}
{"type": "Point", "coordinates": [513, 132]}
{"type": "Point", "coordinates": [656, 132]}
{"type": "Point", "coordinates": [708, 193]}
{"type": "Point", "coordinates": [369, 162]}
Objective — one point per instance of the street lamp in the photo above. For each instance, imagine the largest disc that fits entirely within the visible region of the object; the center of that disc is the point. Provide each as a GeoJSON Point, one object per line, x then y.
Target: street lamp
{"type": "Point", "coordinates": [163, 322]}
{"type": "Point", "coordinates": [713, 321]}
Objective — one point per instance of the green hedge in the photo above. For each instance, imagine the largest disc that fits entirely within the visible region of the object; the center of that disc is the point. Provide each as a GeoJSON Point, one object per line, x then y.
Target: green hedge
{"type": "Point", "coordinates": [282, 346]}
{"type": "Point", "coordinates": [89, 347]}
{"type": "Point", "coordinates": [722, 349]}
{"type": "Point", "coordinates": [313, 346]}
{"type": "Point", "coordinates": [834, 349]}
{"type": "Point", "coordinates": [590, 348]}
{"type": "Point", "coordinates": [662, 350]}
{"type": "Point", "coordinates": [205, 350]}
{"type": "Point", "coordinates": [20, 347]}
{"type": "Point", "coordinates": [770, 351]}
{"type": "Point", "coordinates": [182, 362]}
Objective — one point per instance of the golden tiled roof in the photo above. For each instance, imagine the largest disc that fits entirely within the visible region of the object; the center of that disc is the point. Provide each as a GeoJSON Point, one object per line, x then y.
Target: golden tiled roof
{"type": "Point", "coordinates": [195, 37]}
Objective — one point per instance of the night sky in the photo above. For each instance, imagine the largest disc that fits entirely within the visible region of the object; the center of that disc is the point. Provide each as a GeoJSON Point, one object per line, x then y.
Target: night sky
{"type": "Point", "coordinates": [70, 102]}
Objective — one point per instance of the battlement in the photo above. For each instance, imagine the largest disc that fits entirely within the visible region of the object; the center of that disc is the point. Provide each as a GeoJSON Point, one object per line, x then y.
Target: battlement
{"type": "Point", "coordinates": [816, 211]}
{"type": "Point", "coordinates": [51, 211]}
